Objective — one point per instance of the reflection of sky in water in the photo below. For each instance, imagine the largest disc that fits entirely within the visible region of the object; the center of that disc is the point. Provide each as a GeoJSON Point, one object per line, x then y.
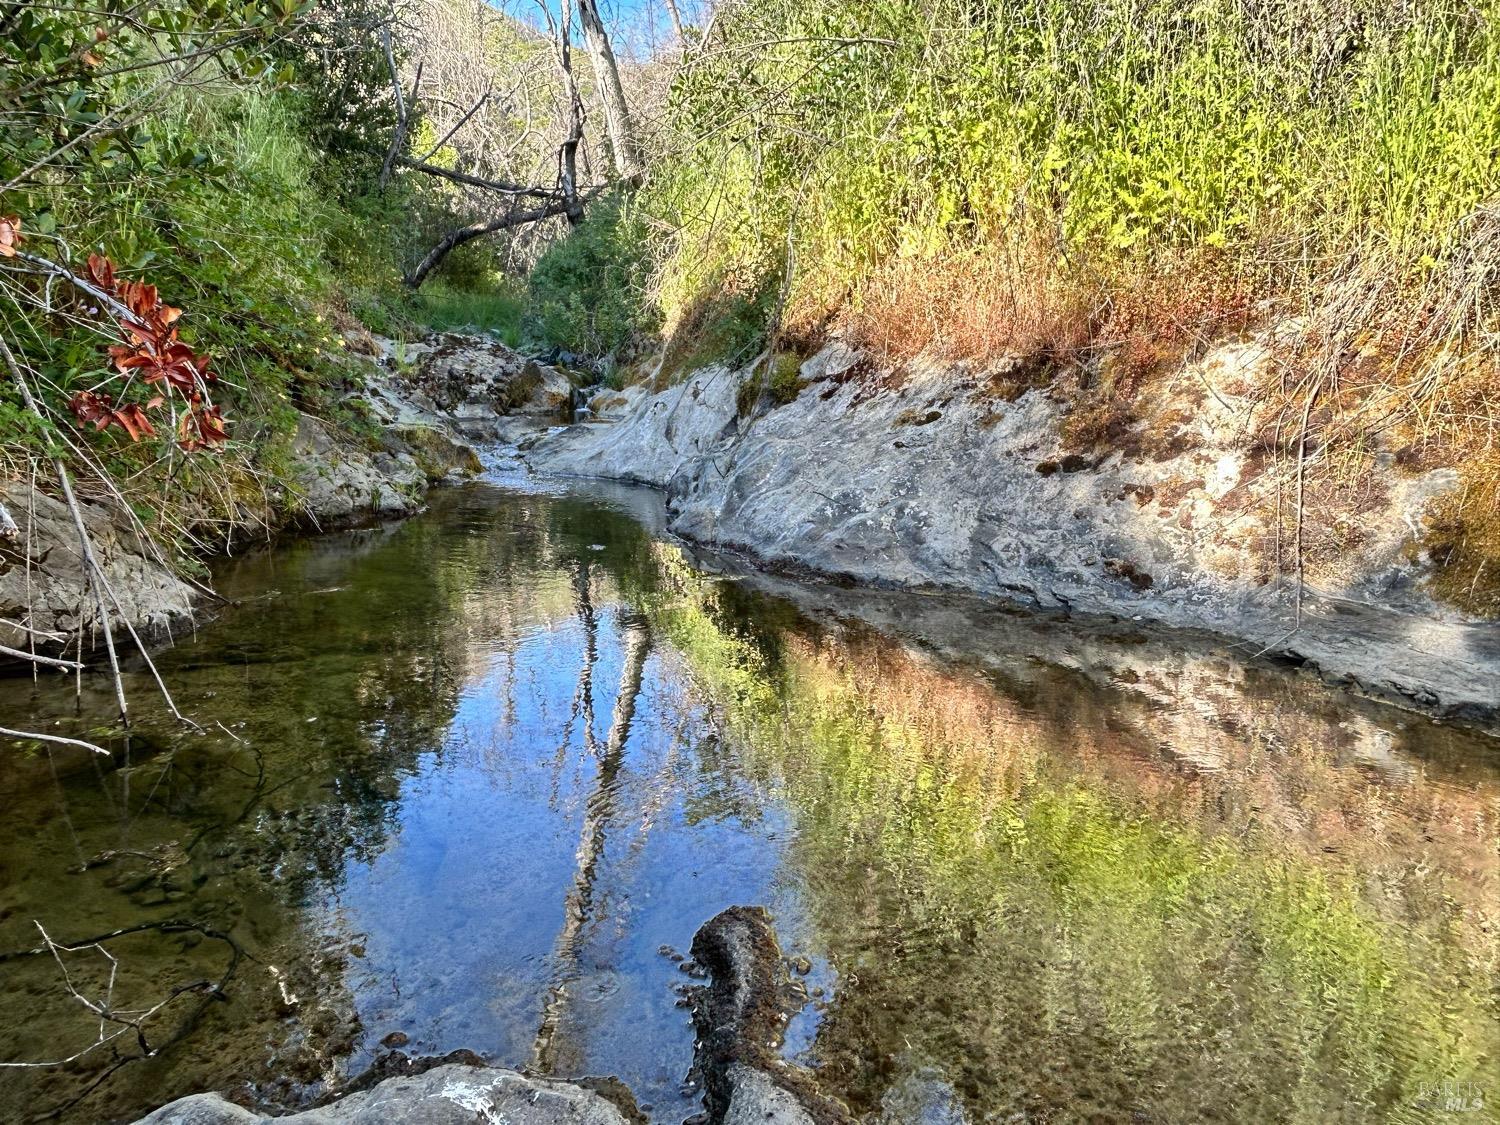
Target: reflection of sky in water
{"type": "Point", "coordinates": [1073, 885]}
{"type": "Point", "coordinates": [459, 915]}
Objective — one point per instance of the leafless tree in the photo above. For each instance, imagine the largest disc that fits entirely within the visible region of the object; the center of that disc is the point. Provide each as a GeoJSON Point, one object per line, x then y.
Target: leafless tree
{"type": "Point", "coordinates": [624, 145]}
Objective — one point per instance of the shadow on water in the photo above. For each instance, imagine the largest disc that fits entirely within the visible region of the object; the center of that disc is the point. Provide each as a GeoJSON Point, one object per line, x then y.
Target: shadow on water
{"type": "Point", "coordinates": [481, 773]}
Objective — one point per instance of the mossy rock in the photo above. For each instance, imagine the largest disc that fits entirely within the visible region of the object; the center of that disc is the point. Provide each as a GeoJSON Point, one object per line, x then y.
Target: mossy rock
{"type": "Point", "coordinates": [437, 453]}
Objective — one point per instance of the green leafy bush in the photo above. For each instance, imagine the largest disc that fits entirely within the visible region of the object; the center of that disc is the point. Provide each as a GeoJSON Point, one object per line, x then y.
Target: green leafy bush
{"type": "Point", "coordinates": [587, 293]}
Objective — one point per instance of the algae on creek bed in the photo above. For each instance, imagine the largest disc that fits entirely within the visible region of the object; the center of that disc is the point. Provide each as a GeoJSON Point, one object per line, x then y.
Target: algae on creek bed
{"type": "Point", "coordinates": [1141, 893]}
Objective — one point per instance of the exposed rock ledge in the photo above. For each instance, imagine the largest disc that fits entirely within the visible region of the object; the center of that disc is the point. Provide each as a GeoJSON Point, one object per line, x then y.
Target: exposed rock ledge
{"type": "Point", "coordinates": [936, 480]}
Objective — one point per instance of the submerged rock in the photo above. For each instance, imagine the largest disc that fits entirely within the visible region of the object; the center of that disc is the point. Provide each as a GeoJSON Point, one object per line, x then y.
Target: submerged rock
{"type": "Point", "coordinates": [453, 1094]}
{"type": "Point", "coordinates": [741, 1017]}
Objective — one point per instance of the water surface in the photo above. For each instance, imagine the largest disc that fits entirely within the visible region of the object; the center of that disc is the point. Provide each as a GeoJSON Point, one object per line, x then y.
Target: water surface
{"type": "Point", "coordinates": [473, 780]}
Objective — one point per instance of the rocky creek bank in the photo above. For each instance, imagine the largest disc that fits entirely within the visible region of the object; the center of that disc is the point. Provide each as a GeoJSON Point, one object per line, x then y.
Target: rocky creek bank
{"type": "Point", "coordinates": [431, 405]}
{"type": "Point", "coordinates": [943, 477]}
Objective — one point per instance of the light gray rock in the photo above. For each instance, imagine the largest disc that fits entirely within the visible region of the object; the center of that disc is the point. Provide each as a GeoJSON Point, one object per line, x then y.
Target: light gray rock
{"type": "Point", "coordinates": [51, 595]}
{"type": "Point", "coordinates": [471, 383]}
{"type": "Point", "coordinates": [446, 1095]}
{"type": "Point", "coordinates": [337, 483]}
{"type": "Point", "coordinates": [933, 480]}
{"type": "Point", "coordinates": [755, 1100]}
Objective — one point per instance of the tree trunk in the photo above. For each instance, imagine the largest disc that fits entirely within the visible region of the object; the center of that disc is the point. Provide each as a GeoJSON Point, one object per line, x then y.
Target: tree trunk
{"type": "Point", "coordinates": [579, 903]}
{"type": "Point", "coordinates": [677, 24]}
{"type": "Point", "coordinates": [622, 140]}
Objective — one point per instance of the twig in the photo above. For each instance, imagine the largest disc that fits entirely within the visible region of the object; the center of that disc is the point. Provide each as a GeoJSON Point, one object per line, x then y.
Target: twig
{"type": "Point", "coordinates": [94, 571]}
{"type": "Point", "coordinates": [27, 735]}
{"type": "Point", "coordinates": [448, 136]}
{"type": "Point", "coordinates": [22, 654]}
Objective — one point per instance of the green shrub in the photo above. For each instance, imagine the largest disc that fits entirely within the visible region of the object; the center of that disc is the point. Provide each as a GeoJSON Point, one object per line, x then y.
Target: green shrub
{"type": "Point", "coordinates": [587, 292]}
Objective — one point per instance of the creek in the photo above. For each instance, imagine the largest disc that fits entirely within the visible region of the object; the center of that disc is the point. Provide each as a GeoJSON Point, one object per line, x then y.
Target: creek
{"type": "Point", "coordinates": [473, 780]}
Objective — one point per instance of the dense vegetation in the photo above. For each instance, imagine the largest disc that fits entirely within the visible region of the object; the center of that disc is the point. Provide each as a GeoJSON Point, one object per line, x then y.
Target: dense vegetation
{"type": "Point", "coordinates": [230, 155]}
{"type": "Point", "coordinates": [1101, 188]}
{"type": "Point", "coordinates": [1104, 188]}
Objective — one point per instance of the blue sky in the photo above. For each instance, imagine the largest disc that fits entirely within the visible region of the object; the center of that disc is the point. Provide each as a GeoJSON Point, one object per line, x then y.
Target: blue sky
{"type": "Point", "coordinates": [637, 25]}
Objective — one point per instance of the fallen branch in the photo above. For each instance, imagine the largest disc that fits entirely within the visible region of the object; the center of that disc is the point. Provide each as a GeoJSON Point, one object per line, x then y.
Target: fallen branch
{"type": "Point", "coordinates": [476, 181]}
{"type": "Point", "coordinates": [456, 238]}
{"type": "Point", "coordinates": [21, 654]}
{"type": "Point", "coordinates": [462, 121]}
{"type": "Point", "coordinates": [127, 1022]}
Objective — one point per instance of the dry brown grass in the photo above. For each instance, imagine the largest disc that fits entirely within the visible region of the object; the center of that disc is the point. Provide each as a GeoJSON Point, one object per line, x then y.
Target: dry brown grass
{"type": "Point", "coordinates": [976, 307]}
{"type": "Point", "coordinates": [1379, 364]}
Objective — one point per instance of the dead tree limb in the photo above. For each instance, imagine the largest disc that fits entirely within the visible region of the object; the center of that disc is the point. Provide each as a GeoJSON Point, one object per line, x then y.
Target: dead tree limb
{"type": "Point", "coordinates": [403, 113]}
{"type": "Point", "coordinates": [56, 739]}
{"type": "Point", "coordinates": [456, 238]}
{"type": "Point", "coordinates": [677, 24]}
{"type": "Point", "coordinates": [502, 186]}
{"type": "Point", "coordinates": [21, 654]}
{"type": "Point", "coordinates": [459, 124]}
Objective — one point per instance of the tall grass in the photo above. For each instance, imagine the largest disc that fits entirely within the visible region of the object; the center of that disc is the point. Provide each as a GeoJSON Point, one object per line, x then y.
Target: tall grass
{"type": "Point", "coordinates": [1107, 184]}
{"type": "Point", "coordinates": [1275, 138]}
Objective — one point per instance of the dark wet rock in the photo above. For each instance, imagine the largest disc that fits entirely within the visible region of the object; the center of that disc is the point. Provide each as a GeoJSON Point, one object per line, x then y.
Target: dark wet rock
{"type": "Point", "coordinates": [741, 1017]}
{"type": "Point", "coordinates": [450, 1094]}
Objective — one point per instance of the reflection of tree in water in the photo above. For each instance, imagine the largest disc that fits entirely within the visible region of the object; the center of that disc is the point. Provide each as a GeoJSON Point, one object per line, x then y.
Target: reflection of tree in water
{"type": "Point", "coordinates": [373, 637]}
{"type": "Point", "coordinates": [578, 906]}
{"type": "Point", "coordinates": [1043, 889]}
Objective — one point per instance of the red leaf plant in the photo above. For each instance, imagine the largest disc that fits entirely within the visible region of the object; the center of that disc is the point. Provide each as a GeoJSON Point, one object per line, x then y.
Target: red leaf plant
{"type": "Point", "coordinates": [152, 350]}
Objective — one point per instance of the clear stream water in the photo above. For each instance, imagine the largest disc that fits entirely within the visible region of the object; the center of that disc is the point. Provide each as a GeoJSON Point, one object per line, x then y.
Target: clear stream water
{"type": "Point", "coordinates": [473, 780]}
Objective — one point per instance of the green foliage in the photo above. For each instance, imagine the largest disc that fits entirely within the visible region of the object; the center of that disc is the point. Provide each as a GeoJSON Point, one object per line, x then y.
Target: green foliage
{"type": "Point", "coordinates": [587, 293]}
{"type": "Point", "coordinates": [343, 91]}
{"type": "Point", "coordinates": [496, 310]}
{"type": "Point", "coordinates": [1285, 135]}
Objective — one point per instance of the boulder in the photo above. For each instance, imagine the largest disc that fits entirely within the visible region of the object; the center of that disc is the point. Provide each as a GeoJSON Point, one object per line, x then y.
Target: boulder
{"type": "Point", "coordinates": [937, 475]}
{"type": "Point", "coordinates": [338, 483]}
{"type": "Point", "coordinates": [52, 594]}
{"type": "Point", "coordinates": [454, 1094]}
{"type": "Point", "coordinates": [474, 382]}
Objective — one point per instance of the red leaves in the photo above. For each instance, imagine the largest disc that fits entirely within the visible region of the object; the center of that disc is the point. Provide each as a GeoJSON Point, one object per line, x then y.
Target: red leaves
{"type": "Point", "coordinates": [201, 428]}
{"type": "Point", "coordinates": [152, 350]}
{"type": "Point", "coordinates": [101, 271]}
{"type": "Point", "coordinates": [10, 235]}
{"type": "Point", "coordinates": [100, 410]}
